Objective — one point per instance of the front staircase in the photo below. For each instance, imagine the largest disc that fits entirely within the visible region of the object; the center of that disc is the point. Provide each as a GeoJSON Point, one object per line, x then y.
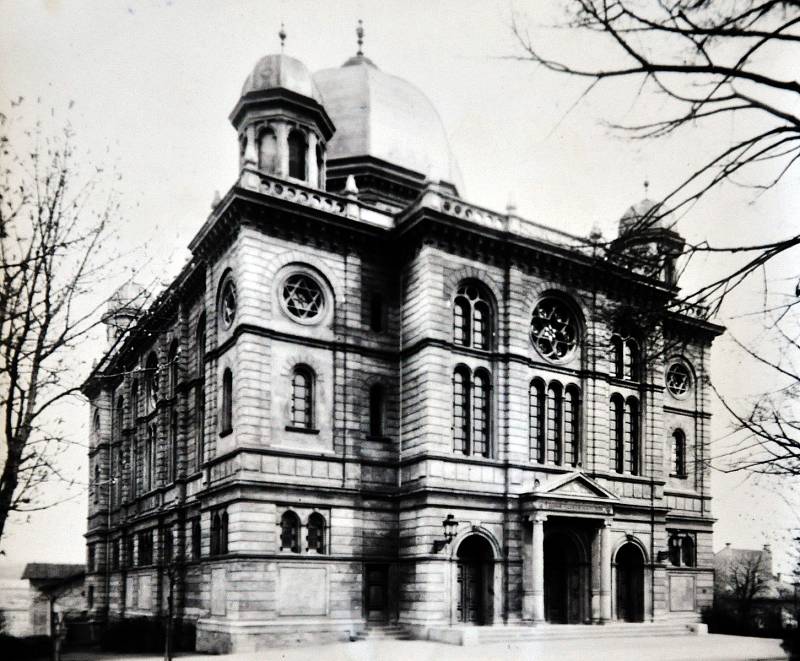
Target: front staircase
{"type": "Point", "coordinates": [475, 635]}
{"type": "Point", "coordinates": [381, 631]}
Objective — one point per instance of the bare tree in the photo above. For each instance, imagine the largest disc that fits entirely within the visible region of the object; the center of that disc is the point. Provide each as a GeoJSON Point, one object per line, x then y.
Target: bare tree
{"type": "Point", "coordinates": [55, 234]}
{"type": "Point", "coordinates": [742, 579]}
{"type": "Point", "coordinates": [706, 60]}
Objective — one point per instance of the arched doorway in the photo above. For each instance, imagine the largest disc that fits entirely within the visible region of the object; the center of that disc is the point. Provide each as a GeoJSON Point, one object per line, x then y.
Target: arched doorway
{"type": "Point", "coordinates": [630, 583]}
{"type": "Point", "coordinates": [475, 578]}
{"type": "Point", "coordinates": [565, 580]}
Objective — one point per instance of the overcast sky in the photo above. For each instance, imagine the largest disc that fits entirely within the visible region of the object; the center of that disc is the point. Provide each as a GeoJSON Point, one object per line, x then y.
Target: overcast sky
{"type": "Point", "coordinates": [152, 84]}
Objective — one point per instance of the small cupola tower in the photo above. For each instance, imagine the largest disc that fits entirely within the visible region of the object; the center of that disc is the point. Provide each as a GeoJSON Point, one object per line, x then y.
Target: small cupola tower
{"type": "Point", "coordinates": [282, 125]}
{"type": "Point", "coordinates": [647, 243]}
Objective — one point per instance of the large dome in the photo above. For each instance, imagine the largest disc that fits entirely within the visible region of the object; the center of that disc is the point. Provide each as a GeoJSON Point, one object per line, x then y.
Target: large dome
{"type": "Point", "coordinates": [644, 215]}
{"type": "Point", "coordinates": [281, 71]}
{"type": "Point", "coordinates": [385, 117]}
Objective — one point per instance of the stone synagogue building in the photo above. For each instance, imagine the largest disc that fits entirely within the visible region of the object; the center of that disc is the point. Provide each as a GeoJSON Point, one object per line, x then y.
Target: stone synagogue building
{"type": "Point", "coordinates": [366, 402]}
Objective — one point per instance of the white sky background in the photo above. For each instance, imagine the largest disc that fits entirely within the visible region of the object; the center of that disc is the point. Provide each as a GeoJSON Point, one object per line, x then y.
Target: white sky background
{"type": "Point", "coordinates": [155, 81]}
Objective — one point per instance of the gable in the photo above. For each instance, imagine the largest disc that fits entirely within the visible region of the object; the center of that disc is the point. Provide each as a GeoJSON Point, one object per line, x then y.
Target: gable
{"type": "Point", "coordinates": [574, 485]}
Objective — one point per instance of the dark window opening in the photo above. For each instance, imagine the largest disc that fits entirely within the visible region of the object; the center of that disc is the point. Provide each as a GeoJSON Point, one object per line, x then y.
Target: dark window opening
{"type": "Point", "coordinates": [316, 533]}
{"type": "Point", "coordinates": [290, 532]}
{"type": "Point", "coordinates": [376, 410]}
{"type": "Point", "coordinates": [297, 155]}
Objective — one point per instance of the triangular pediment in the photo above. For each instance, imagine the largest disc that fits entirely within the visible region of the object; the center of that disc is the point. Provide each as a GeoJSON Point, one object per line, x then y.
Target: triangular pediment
{"type": "Point", "coordinates": [573, 485]}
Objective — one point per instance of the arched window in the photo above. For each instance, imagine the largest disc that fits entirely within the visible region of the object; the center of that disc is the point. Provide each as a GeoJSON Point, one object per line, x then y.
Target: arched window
{"type": "Point", "coordinates": [616, 433]}
{"type": "Point", "coordinates": [376, 410]}
{"type": "Point", "coordinates": [200, 345]}
{"type": "Point", "coordinates": [96, 426]}
{"type": "Point", "coordinates": [150, 458]}
{"type": "Point", "coordinates": [151, 382]}
{"type": "Point", "coordinates": [200, 424]}
{"type": "Point", "coordinates": [616, 356]}
{"type": "Point", "coordinates": [679, 453]}
{"type": "Point", "coordinates": [461, 410]}
{"type": "Point", "coordinates": [173, 369]}
{"type": "Point", "coordinates": [223, 532]}
{"type": "Point", "coordinates": [215, 528]}
{"type": "Point", "coordinates": [302, 398]}
{"type": "Point", "coordinates": [134, 403]}
{"type": "Point", "coordinates": [472, 318]}
{"type": "Point", "coordinates": [268, 151]}
{"type": "Point", "coordinates": [536, 413]}
{"type": "Point", "coordinates": [290, 532]}
{"type": "Point", "coordinates": [226, 416]}
{"type": "Point", "coordinates": [297, 155]}
{"type": "Point", "coordinates": [481, 399]}
{"type": "Point", "coordinates": [572, 415]}
{"type": "Point", "coordinates": [196, 538]}
{"type": "Point", "coordinates": [320, 167]}
{"type": "Point", "coordinates": [554, 423]}
{"type": "Point", "coordinates": [632, 363]}
{"type": "Point", "coordinates": [120, 418]}
{"type": "Point", "coordinates": [173, 445]}
{"type": "Point", "coordinates": [96, 484]}
{"type": "Point", "coordinates": [688, 558]}
{"type": "Point", "coordinates": [315, 538]}
{"type": "Point", "coordinates": [118, 475]}
{"type": "Point", "coordinates": [632, 436]}
{"type": "Point", "coordinates": [674, 550]}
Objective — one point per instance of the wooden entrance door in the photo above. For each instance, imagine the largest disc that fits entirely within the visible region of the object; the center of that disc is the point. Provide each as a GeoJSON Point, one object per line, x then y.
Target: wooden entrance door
{"type": "Point", "coordinates": [376, 585]}
{"type": "Point", "coordinates": [470, 592]}
{"type": "Point", "coordinates": [630, 584]}
{"type": "Point", "coordinates": [564, 587]}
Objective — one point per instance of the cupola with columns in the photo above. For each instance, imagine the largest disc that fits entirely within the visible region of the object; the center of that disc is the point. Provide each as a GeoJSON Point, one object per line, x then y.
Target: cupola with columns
{"type": "Point", "coordinates": [282, 125]}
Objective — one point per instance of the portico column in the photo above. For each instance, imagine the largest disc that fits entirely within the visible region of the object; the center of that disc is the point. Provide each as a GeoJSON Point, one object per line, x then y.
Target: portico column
{"type": "Point", "coordinates": [605, 571]}
{"type": "Point", "coordinates": [537, 553]}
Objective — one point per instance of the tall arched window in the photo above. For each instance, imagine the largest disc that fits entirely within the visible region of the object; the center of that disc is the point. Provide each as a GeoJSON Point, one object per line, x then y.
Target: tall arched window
{"type": "Point", "coordinates": [554, 403]}
{"type": "Point", "coordinates": [376, 410]}
{"type": "Point", "coordinates": [268, 151]}
{"type": "Point", "coordinates": [302, 398]}
{"type": "Point", "coordinates": [223, 532]}
{"type": "Point", "coordinates": [461, 410]}
{"type": "Point", "coordinates": [481, 399]}
{"type": "Point", "coordinates": [290, 532]}
{"type": "Point", "coordinates": [200, 345]}
{"type": "Point", "coordinates": [572, 414]}
{"type": "Point", "coordinates": [150, 458]}
{"type": "Point", "coordinates": [96, 484]}
{"type": "Point", "coordinates": [226, 417]}
{"type": "Point", "coordinates": [172, 358]}
{"type": "Point", "coordinates": [632, 363]}
{"type": "Point", "coordinates": [536, 413]}
{"type": "Point", "coordinates": [632, 436]}
{"type": "Point", "coordinates": [215, 528]}
{"type": "Point", "coordinates": [320, 167]}
{"type": "Point", "coordinates": [119, 418]}
{"type": "Point", "coordinates": [679, 453]}
{"type": "Point", "coordinates": [196, 538]}
{"type": "Point", "coordinates": [96, 426]}
{"type": "Point", "coordinates": [173, 445]}
{"type": "Point", "coordinates": [472, 317]}
{"type": "Point", "coordinates": [297, 155]}
{"type": "Point", "coordinates": [134, 403]}
{"type": "Point", "coordinates": [200, 392]}
{"type": "Point", "coordinates": [616, 355]}
{"type": "Point", "coordinates": [315, 537]}
{"type": "Point", "coordinates": [151, 382]}
{"type": "Point", "coordinates": [616, 433]}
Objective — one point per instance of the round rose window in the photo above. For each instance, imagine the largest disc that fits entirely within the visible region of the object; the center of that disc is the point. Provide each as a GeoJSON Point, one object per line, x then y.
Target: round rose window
{"type": "Point", "coordinates": [679, 379]}
{"type": "Point", "coordinates": [302, 297]}
{"type": "Point", "coordinates": [554, 329]}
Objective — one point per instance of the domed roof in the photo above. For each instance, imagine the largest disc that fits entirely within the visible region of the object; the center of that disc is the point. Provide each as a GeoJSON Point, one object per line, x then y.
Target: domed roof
{"type": "Point", "coordinates": [644, 215]}
{"type": "Point", "coordinates": [274, 71]}
{"type": "Point", "coordinates": [385, 117]}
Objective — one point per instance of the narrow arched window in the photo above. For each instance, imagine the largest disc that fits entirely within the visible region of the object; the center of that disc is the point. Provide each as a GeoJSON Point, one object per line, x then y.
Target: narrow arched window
{"type": "Point", "coordinates": [200, 345]}
{"type": "Point", "coordinates": [96, 483]}
{"type": "Point", "coordinates": [554, 424]}
{"type": "Point", "coordinates": [96, 426]}
{"type": "Point", "coordinates": [151, 382]}
{"type": "Point", "coordinates": [134, 403]}
{"type": "Point", "coordinates": [461, 410]}
{"type": "Point", "coordinates": [376, 410]}
{"type": "Point", "coordinates": [536, 414]}
{"type": "Point", "coordinates": [173, 445]}
{"type": "Point", "coordinates": [632, 436]}
{"type": "Point", "coordinates": [150, 457]}
{"type": "Point", "coordinates": [674, 548]}
{"type": "Point", "coordinates": [481, 388]}
{"type": "Point", "coordinates": [616, 433]}
{"type": "Point", "coordinates": [297, 155]}
{"type": "Point", "coordinates": [223, 532]}
{"type": "Point", "coordinates": [320, 166]}
{"type": "Point", "coordinates": [268, 151]}
{"type": "Point", "coordinates": [679, 453]}
{"type": "Point", "coordinates": [290, 532]}
{"type": "Point", "coordinates": [302, 398]}
{"type": "Point", "coordinates": [215, 528]}
{"type": "Point", "coordinates": [572, 416]}
{"type": "Point", "coordinates": [120, 418]}
{"type": "Point", "coordinates": [632, 363]}
{"type": "Point", "coordinates": [472, 317]}
{"type": "Point", "coordinates": [315, 537]}
{"type": "Point", "coordinates": [200, 425]}
{"type": "Point", "coordinates": [688, 557]}
{"type": "Point", "coordinates": [173, 369]}
{"type": "Point", "coordinates": [616, 356]}
{"type": "Point", "coordinates": [196, 538]}
{"type": "Point", "coordinates": [226, 420]}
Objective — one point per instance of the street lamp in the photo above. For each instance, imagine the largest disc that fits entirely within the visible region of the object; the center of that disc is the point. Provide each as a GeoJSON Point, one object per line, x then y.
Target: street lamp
{"type": "Point", "coordinates": [449, 527]}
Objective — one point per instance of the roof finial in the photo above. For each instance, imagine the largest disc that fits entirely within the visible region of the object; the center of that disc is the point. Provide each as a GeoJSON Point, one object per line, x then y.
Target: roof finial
{"type": "Point", "coordinates": [646, 187]}
{"type": "Point", "coordinates": [360, 35]}
{"type": "Point", "coordinates": [282, 36]}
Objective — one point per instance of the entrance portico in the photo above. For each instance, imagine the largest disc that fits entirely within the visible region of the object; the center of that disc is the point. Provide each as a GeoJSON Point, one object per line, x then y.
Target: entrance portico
{"type": "Point", "coordinates": [567, 551]}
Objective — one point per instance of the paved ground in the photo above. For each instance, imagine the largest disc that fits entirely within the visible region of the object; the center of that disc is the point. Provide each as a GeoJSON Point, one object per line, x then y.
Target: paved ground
{"type": "Point", "coordinates": [669, 648]}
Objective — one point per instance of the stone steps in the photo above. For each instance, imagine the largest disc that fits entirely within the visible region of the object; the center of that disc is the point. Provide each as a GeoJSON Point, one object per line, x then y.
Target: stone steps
{"type": "Point", "coordinates": [498, 634]}
{"type": "Point", "coordinates": [383, 632]}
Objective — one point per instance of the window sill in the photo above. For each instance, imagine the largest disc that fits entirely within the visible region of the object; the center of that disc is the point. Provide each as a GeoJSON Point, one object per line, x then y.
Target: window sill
{"type": "Point", "coordinates": [302, 430]}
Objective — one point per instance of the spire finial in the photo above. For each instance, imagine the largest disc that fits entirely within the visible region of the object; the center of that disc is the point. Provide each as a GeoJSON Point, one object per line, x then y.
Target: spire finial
{"type": "Point", "coordinates": [282, 36]}
{"type": "Point", "coordinates": [360, 35]}
{"type": "Point", "coordinates": [646, 187]}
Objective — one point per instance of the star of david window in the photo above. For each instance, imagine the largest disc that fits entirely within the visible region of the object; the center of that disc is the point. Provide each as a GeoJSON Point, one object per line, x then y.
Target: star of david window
{"type": "Point", "coordinates": [679, 380]}
{"type": "Point", "coordinates": [227, 307]}
{"type": "Point", "coordinates": [302, 297]}
{"type": "Point", "coordinates": [554, 329]}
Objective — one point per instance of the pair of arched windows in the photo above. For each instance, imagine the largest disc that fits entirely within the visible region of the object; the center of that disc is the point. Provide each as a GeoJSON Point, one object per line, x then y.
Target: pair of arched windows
{"type": "Point", "coordinates": [472, 317]}
{"type": "Point", "coordinates": [682, 549]}
{"type": "Point", "coordinates": [302, 400]}
{"type": "Point", "coordinates": [679, 454]}
{"type": "Point", "coordinates": [625, 356]}
{"type": "Point", "coordinates": [472, 411]}
{"type": "Point", "coordinates": [555, 423]}
{"type": "Point", "coordinates": [219, 533]}
{"type": "Point", "coordinates": [290, 533]}
{"type": "Point", "coordinates": [297, 144]}
{"type": "Point", "coordinates": [624, 434]}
